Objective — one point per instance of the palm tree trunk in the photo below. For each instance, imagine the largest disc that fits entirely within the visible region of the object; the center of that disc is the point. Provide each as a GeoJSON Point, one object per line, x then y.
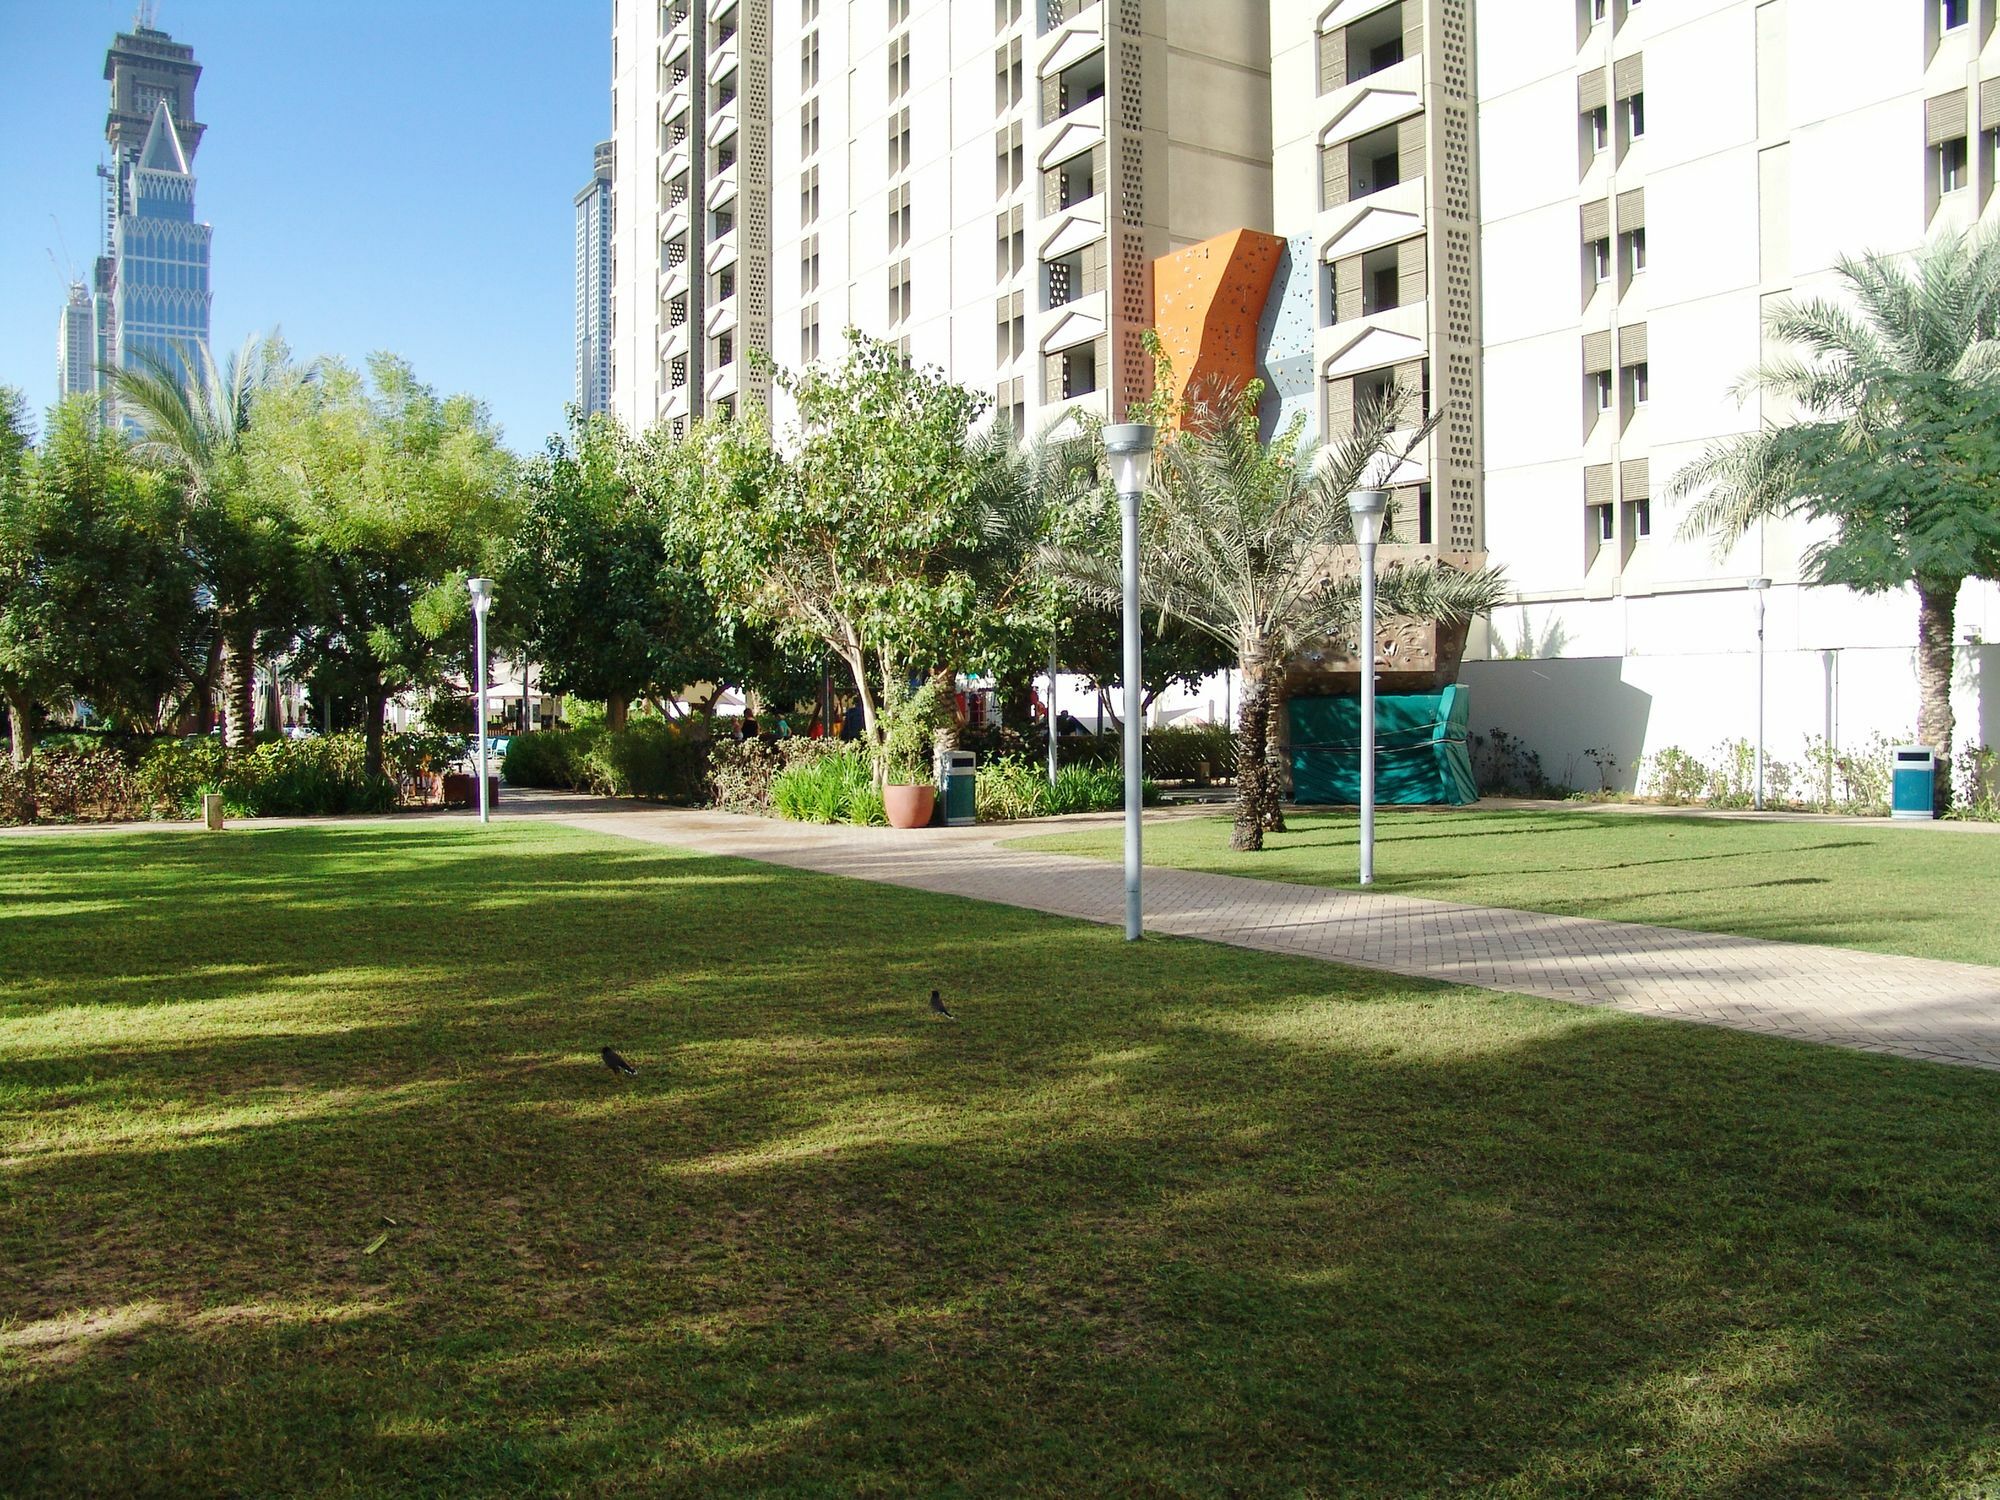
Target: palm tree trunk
{"type": "Point", "coordinates": [1253, 769]}
{"type": "Point", "coordinates": [239, 677]}
{"type": "Point", "coordinates": [1937, 607]}
{"type": "Point", "coordinates": [1276, 772]}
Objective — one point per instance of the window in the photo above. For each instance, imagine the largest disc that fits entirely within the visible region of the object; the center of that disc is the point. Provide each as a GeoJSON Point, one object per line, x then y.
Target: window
{"type": "Point", "coordinates": [809, 334]}
{"type": "Point", "coordinates": [809, 196]}
{"type": "Point", "coordinates": [1600, 260]}
{"type": "Point", "coordinates": [1077, 375]}
{"type": "Point", "coordinates": [899, 141]}
{"type": "Point", "coordinates": [721, 222]}
{"type": "Point", "coordinates": [1635, 252]}
{"type": "Point", "coordinates": [809, 264]}
{"type": "Point", "coordinates": [1601, 391]}
{"type": "Point", "coordinates": [899, 217]}
{"type": "Point", "coordinates": [1951, 158]}
{"type": "Point", "coordinates": [1599, 9]}
{"type": "Point", "coordinates": [1007, 76]}
{"type": "Point", "coordinates": [899, 13]}
{"type": "Point", "coordinates": [1953, 14]}
{"type": "Point", "coordinates": [1600, 128]}
{"type": "Point", "coordinates": [725, 155]}
{"type": "Point", "coordinates": [1600, 522]}
{"type": "Point", "coordinates": [1640, 513]}
{"type": "Point", "coordinates": [809, 129]}
{"type": "Point", "coordinates": [1424, 532]}
{"type": "Point", "coordinates": [899, 292]}
{"type": "Point", "coordinates": [809, 62]}
{"type": "Point", "coordinates": [725, 284]}
{"type": "Point", "coordinates": [899, 68]}
{"type": "Point", "coordinates": [1006, 13]}
{"type": "Point", "coordinates": [808, 12]}
{"type": "Point", "coordinates": [1635, 117]}
{"type": "Point", "coordinates": [725, 350]}
{"type": "Point", "coordinates": [1637, 384]}
{"type": "Point", "coordinates": [678, 375]}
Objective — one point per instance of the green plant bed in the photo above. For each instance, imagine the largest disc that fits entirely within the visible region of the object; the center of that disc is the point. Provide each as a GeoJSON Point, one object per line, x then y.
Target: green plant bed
{"type": "Point", "coordinates": [1894, 890]}
{"type": "Point", "coordinates": [349, 1205]}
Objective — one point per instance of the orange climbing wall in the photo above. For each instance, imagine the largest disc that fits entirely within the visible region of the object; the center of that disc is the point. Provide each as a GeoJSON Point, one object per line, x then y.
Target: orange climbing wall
{"type": "Point", "coordinates": [1207, 300]}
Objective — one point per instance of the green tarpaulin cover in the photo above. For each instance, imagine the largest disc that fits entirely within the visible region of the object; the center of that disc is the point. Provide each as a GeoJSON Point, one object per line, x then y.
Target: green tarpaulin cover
{"type": "Point", "coordinates": [1420, 749]}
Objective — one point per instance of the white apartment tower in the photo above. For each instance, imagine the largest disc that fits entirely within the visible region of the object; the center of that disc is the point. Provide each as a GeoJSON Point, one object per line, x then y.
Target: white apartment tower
{"type": "Point", "coordinates": [984, 183]}
{"type": "Point", "coordinates": [1655, 176]}
{"type": "Point", "coordinates": [76, 344]}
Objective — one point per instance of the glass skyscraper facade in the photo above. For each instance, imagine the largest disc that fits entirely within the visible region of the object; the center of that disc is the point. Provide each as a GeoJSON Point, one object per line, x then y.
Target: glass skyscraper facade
{"type": "Point", "coordinates": [161, 255]}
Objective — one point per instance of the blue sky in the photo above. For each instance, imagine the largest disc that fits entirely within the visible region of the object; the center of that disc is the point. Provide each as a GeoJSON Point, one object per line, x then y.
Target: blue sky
{"type": "Point", "coordinates": [381, 174]}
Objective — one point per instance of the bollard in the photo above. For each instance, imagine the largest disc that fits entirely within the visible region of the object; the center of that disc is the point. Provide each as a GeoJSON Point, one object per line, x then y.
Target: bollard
{"type": "Point", "coordinates": [211, 811]}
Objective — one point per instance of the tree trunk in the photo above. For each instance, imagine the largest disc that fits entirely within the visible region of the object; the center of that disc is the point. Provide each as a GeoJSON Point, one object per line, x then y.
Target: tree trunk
{"type": "Point", "coordinates": [204, 694]}
{"type": "Point", "coordinates": [21, 719]}
{"type": "Point", "coordinates": [239, 678]}
{"type": "Point", "coordinates": [617, 709]}
{"type": "Point", "coordinates": [377, 703]}
{"type": "Point", "coordinates": [1276, 772]}
{"type": "Point", "coordinates": [1253, 725]}
{"type": "Point", "coordinates": [1937, 606]}
{"type": "Point", "coordinates": [857, 668]}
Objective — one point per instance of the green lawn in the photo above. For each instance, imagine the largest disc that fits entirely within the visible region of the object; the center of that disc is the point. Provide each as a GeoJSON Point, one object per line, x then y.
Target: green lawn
{"type": "Point", "coordinates": [1916, 890]}
{"type": "Point", "coordinates": [1178, 1219]}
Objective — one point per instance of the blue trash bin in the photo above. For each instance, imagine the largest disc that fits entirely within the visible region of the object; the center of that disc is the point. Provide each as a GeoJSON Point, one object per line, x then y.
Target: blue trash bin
{"type": "Point", "coordinates": [1912, 782]}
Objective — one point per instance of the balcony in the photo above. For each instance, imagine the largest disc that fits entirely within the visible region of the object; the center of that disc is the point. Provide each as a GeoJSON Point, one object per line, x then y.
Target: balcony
{"type": "Point", "coordinates": [1081, 130]}
{"type": "Point", "coordinates": [723, 383]}
{"type": "Point", "coordinates": [720, 318]}
{"type": "Point", "coordinates": [722, 188]}
{"type": "Point", "coordinates": [1375, 99]}
{"type": "Point", "coordinates": [677, 45]}
{"type": "Point", "coordinates": [722, 251]}
{"type": "Point", "coordinates": [1384, 216]}
{"type": "Point", "coordinates": [1058, 21]}
{"type": "Point", "coordinates": [1067, 88]}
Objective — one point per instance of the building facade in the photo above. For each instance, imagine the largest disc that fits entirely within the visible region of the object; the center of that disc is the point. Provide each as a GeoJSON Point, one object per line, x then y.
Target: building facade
{"type": "Point", "coordinates": [984, 185]}
{"type": "Point", "coordinates": [596, 214]}
{"type": "Point", "coordinates": [1655, 177]}
{"type": "Point", "coordinates": [151, 287]}
{"type": "Point", "coordinates": [76, 345]}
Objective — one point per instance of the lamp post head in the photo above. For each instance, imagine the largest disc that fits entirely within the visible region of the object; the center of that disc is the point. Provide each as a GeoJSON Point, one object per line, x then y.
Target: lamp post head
{"type": "Point", "coordinates": [1130, 446]}
{"type": "Point", "coordinates": [1758, 584]}
{"type": "Point", "coordinates": [481, 590]}
{"type": "Point", "coordinates": [1369, 509]}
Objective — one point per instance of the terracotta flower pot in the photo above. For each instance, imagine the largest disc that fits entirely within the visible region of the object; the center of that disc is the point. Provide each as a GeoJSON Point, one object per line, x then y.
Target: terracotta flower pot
{"type": "Point", "coordinates": [909, 806]}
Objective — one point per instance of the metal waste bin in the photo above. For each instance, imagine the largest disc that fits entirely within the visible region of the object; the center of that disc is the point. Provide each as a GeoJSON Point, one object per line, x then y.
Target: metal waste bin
{"type": "Point", "coordinates": [1912, 781]}
{"type": "Point", "coordinates": [958, 787]}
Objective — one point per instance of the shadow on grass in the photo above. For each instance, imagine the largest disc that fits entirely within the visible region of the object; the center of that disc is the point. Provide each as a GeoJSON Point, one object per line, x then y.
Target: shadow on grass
{"type": "Point", "coordinates": [1177, 1219]}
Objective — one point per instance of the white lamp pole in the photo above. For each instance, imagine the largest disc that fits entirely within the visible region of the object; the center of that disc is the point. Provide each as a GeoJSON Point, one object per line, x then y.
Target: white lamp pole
{"type": "Point", "coordinates": [1760, 587]}
{"type": "Point", "coordinates": [1130, 446]}
{"type": "Point", "coordinates": [1368, 507]}
{"type": "Point", "coordinates": [482, 600]}
{"type": "Point", "coordinates": [1051, 706]}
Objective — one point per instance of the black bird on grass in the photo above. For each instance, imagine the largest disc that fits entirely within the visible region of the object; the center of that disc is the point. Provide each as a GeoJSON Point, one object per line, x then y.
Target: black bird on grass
{"type": "Point", "coordinates": [618, 1064]}
{"type": "Point", "coordinates": [938, 1005]}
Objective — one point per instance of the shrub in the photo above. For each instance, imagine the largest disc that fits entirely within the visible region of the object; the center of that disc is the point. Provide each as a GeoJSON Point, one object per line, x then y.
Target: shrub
{"type": "Point", "coordinates": [1504, 767]}
{"type": "Point", "coordinates": [322, 775]}
{"type": "Point", "coordinates": [1008, 790]}
{"type": "Point", "coordinates": [545, 758]}
{"type": "Point", "coordinates": [910, 728]}
{"type": "Point", "coordinates": [647, 758]}
{"type": "Point", "coordinates": [1677, 777]}
{"type": "Point", "coordinates": [69, 783]}
{"type": "Point", "coordinates": [1172, 754]}
{"type": "Point", "coordinates": [828, 789]}
{"type": "Point", "coordinates": [1081, 789]}
{"type": "Point", "coordinates": [741, 772]}
{"type": "Point", "coordinates": [174, 774]}
{"type": "Point", "coordinates": [1977, 796]}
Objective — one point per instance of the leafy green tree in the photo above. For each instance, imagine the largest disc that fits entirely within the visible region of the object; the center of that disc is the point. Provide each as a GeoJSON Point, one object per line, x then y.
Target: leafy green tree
{"type": "Point", "coordinates": [1896, 448]}
{"type": "Point", "coordinates": [397, 496]}
{"type": "Point", "coordinates": [194, 419]}
{"type": "Point", "coordinates": [97, 597]}
{"type": "Point", "coordinates": [877, 533]}
{"type": "Point", "coordinates": [1239, 541]}
{"type": "Point", "coordinates": [612, 610]}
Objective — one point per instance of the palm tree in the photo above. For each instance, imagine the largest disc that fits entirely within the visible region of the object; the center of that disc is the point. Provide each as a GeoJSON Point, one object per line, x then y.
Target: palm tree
{"type": "Point", "coordinates": [1239, 540]}
{"type": "Point", "coordinates": [194, 420]}
{"type": "Point", "coordinates": [1894, 446]}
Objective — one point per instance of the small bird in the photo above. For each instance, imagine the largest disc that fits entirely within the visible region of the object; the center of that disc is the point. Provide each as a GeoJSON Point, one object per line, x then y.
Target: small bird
{"type": "Point", "coordinates": [618, 1064]}
{"type": "Point", "coordinates": [938, 1005]}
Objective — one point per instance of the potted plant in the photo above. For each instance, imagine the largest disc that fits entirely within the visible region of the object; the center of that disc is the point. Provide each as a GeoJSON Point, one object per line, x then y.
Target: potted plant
{"type": "Point", "coordinates": [910, 726]}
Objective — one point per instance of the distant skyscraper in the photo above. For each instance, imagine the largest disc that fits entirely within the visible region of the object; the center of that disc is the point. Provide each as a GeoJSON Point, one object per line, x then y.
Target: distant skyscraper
{"type": "Point", "coordinates": [594, 220]}
{"type": "Point", "coordinates": [152, 287]}
{"type": "Point", "coordinates": [76, 345]}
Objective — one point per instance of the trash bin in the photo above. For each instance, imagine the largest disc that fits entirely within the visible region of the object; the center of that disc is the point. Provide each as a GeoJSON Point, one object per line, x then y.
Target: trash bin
{"type": "Point", "coordinates": [1912, 781]}
{"type": "Point", "coordinates": [958, 787]}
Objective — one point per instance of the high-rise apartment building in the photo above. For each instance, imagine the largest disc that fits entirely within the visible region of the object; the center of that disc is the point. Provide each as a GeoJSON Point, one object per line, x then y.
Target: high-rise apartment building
{"type": "Point", "coordinates": [1558, 225]}
{"type": "Point", "coordinates": [595, 216]}
{"type": "Point", "coordinates": [152, 282]}
{"type": "Point", "coordinates": [1655, 176]}
{"type": "Point", "coordinates": [985, 185]}
{"type": "Point", "coordinates": [76, 345]}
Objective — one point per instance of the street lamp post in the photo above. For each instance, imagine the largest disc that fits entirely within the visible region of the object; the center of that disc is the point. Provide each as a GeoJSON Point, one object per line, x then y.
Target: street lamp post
{"type": "Point", "coordinates": [1760, 587]}
{"type": "Point", "coordinates": [1368, 507]}
{"type": "Point", "coordinates": [1130, 446]}
{"type": "Point", "coordinates": [482, 600]}
{"type": "Point", "coordinates": [1051, 707]}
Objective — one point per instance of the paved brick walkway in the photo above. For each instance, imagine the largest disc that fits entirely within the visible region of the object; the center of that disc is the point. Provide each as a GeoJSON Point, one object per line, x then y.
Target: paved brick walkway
{"type": "Point", "coordinates": [1913, 1007]}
